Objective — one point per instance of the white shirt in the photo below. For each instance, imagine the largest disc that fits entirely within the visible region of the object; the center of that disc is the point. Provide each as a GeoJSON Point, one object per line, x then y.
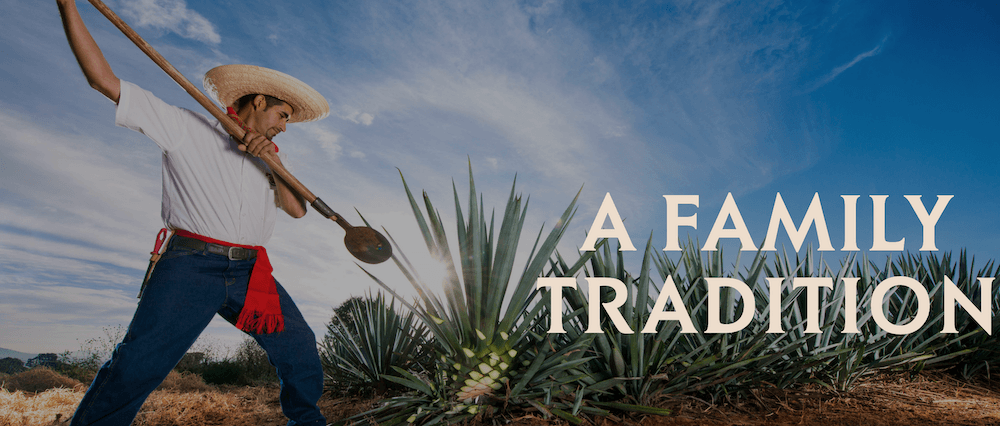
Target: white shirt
{"type": "Point", "coordinates": [210, 187]}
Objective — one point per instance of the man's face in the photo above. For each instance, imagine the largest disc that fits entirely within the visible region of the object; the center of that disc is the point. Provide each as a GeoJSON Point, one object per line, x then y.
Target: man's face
{"type": "Point", "coordinates": [269, 121]}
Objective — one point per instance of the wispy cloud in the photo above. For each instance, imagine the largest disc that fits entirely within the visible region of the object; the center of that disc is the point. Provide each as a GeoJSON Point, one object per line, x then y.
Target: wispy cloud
{"type": "Point", "coordinates": [328, 140]}
{"type": "Point", "coordinates": [357, 117]}
{"type": "Point", "coordinates": [478, 79]}
{"type": "Point", "coordinates": [840, 70]}
{"type": "Point", "coordinates": [171, 15]}
{"type": "Point", "coordinates": [59, 181]}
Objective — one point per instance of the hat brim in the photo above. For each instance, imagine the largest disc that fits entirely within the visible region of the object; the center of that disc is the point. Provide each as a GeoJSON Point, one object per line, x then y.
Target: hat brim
{"type": "Point", "coordinates": [228, 83]}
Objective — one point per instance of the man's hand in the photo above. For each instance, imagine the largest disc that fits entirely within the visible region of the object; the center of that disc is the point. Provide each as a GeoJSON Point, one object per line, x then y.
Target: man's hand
{"type": "Point", "coordinates": [256, 144]}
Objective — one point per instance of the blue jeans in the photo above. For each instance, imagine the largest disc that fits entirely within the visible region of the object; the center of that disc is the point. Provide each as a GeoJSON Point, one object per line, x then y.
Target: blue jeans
{"type": "Point", "coordinates": [187, 288]}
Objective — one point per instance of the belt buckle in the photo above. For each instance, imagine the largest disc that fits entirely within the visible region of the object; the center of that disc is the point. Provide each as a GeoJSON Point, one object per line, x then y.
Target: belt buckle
{"type": "Point", "coordinates": [238, 251]}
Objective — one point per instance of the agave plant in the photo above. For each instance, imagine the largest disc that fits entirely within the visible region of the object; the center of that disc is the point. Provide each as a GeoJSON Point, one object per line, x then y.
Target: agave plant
{"type": "Point", "coordinates": [654, 364]}
{"type": "Point", "coordinates": [493, 355]}
{"type": "Point", "coordinates": [971, 348]}
{"type": "Point", "coordinates": [715, 365]}
{"type": "Point", "coordinates": [830, 357]}
{"type": "Point", "coordinates": [723, 364]}
{"type": "Point", "coordinates": [492, 351]}
{"type": "Point", "coordinates": [636, 360]}
{"type": "Point", "coordinates": [361, 349]}
{"type": "Point", "coordinates": [837, 359]}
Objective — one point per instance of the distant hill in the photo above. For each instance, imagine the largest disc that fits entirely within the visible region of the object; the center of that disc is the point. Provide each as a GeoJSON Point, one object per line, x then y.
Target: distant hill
{"type": "Point", "coordinates": [8, 353]}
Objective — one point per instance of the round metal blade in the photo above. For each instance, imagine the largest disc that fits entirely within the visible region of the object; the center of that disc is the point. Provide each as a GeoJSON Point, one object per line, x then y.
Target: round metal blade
{"type": "Point", "coordinates": [367, 245]}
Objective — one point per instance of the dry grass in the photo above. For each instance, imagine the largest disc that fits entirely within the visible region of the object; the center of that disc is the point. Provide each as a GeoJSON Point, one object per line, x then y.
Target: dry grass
{"type": "Point", "coordinates": [41, 396]}
{"type": "Point", "coordinates": [184, 382]}
{"type": "Point", "coordinates": [19, 408]}
{"type": "Point", "coordinates": [238, 406]}
{"type": "Point", "coordinates": [881, 400]}
{"type": "Point", "coordinates": [206, 408]}
{"type": "Point", "coordinates": [38, 380]}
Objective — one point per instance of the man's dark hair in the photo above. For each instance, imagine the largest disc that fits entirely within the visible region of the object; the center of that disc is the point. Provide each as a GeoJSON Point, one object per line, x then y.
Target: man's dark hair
{"type": "Point", "coordinates": [271, 101]}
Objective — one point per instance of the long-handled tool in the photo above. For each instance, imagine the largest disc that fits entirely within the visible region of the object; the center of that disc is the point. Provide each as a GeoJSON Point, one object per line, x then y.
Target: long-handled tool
{"type": "Point", "coordinates": [366, 244]}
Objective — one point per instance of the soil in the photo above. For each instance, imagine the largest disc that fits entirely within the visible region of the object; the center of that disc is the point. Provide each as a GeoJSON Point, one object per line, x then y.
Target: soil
{"type": "Point", "coordinates": [896, 399]}
{"type": "Point", "coordinates": [885, 400]}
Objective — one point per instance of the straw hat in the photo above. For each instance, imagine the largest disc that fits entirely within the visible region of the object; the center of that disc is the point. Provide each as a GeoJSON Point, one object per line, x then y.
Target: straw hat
{"type": "Point", "coordinates": [228, 83]}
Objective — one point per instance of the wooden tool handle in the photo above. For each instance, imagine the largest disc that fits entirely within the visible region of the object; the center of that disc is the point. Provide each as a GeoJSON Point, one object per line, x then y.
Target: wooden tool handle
{"type": "Point", "coordinates": [213, 109]}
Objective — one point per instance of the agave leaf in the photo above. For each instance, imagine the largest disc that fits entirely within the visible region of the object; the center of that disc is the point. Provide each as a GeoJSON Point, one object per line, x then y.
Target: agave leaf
{"type": "Point", "coordinates": [411, 381]}
{"type": "Point", "coordinates": [566, 416]}
{"type": "Point", "coordinates": [519, 299]}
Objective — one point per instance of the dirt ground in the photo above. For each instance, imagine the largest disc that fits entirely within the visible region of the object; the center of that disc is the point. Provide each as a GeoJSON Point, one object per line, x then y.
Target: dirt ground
{"type": "Point", "coordinates": [883, 400]}
{"type": "Point", "coordinates": [900, 399]}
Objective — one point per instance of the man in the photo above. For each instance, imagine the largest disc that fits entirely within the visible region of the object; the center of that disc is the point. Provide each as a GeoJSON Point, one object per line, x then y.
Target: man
{"type": "Point", "coordinates": [220, 199]}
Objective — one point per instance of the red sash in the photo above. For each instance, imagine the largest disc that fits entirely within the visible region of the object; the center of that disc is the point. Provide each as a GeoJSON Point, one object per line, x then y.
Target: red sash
{"type": "Point", "coordinates": [262, 310]}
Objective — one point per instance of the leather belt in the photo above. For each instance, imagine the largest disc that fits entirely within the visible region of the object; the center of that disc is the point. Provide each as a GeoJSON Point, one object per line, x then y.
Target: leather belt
{"type": "Point", "coordinates": [233, 253]}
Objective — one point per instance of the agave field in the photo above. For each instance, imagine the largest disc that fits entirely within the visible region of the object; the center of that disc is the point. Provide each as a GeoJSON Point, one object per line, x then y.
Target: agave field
{"type": "Point", "coordinates": [482, 348]}
{"type": "Point", "coordinates": [477, 348]}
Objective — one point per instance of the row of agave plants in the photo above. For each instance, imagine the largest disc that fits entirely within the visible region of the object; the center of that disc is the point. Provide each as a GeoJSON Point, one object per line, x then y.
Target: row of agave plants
{"type": "Point", "coordinates": [482, 348]}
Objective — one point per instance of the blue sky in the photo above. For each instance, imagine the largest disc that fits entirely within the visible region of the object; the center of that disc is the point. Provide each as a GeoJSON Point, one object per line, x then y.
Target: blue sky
{"type": "Point", "coordinates": [639, 99]}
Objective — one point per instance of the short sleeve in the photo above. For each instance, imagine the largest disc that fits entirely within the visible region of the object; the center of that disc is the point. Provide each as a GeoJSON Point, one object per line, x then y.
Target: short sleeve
{"type": "Point", "coordinates": [143, 112]}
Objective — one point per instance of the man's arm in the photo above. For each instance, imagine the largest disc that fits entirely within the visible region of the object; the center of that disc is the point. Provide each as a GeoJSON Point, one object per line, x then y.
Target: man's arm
{"type": "Point", "coordinates": [88, 55]}
{"type": "Point", "coordinates": [288, 200]}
